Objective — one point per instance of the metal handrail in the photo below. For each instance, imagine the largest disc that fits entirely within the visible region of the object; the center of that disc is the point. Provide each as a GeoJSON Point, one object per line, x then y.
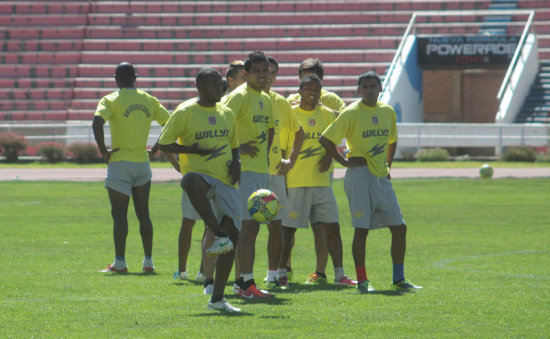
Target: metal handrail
{"type": "Point", "coordinates": [519, 48]}
{"type": "Point", "coordinates": [415, 15]}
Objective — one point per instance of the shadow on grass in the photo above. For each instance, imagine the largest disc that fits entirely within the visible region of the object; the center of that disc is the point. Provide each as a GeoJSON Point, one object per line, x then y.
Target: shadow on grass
{"type": "Point", "coordinates": [136, 274]}
{"type": "Point", "coordinates": [222, 314]}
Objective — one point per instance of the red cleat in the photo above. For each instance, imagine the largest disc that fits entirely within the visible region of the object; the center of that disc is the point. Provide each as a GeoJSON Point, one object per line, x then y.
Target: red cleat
{"type": "Point", "coordinates": [112, 269]}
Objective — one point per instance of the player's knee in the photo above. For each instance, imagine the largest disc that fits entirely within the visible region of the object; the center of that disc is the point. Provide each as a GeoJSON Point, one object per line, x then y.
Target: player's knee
{"type": "Point", "coordinates": [400, 230]}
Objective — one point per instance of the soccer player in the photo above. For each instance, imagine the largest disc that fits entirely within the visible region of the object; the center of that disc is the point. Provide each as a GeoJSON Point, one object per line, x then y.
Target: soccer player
{"type": "Point", "coordinates": [130, 112]}
{"type": "Point", "coordinates": [370, 129]}
{"type": "Point", "coordinates": [279, 165]}
{"type": "Point", "coordinates": [189, 216]}
{"type": "Point", "coordinates": [211, 168]}
{"type": "Point", "coordinates": [310, 195]}
{"type": "Point", "coordinates": [253, 112]}
{"type": "Point", "coordinates": [235, 75]}
{"type": "Point", "coordinates": [329, 99]}
{"type": "Point", "coordinates": [334, 102]}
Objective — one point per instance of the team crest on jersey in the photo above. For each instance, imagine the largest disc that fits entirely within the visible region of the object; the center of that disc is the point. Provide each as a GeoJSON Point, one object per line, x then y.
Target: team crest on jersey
{"type": "Point", "coordinates": [311, 122]}
{"type": "Point", "coordinates": [375, 120]}
{"type": "Point", "coordinates": [261, 106]}
{"type": "Point", "coordinates": [212, 120]}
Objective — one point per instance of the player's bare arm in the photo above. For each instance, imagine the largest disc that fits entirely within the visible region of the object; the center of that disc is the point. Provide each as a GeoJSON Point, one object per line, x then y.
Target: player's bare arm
{"type": "Point", "coordinates": [97, 128]}
{"type": "Point", "coordinates": [174, 161]}
{"type": "Point", "coordinates": [249, 148]}
{"type": "Point", "coordinates": [287, 164]}
{"type": "Point", "coordinates": [193, 149]}
{"type": "Point", "coordinates": [235, 168]}
{"type": "Point", "coordinates": [391, 153]}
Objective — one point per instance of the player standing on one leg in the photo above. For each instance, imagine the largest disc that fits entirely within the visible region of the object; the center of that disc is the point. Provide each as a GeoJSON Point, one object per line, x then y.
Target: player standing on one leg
{"type": "Point", "coordinates": [211, 169]}
{"type": "Point", "coordinates": [310, 195]}
{"type": "Point", "coordinates": [252, 108]}
{"type": "Point", "coordinates": [369, 127]}
{"type": "Point", "coordinates": [130, 112]}
{"type": "Point", "coordinates": [279, 165]}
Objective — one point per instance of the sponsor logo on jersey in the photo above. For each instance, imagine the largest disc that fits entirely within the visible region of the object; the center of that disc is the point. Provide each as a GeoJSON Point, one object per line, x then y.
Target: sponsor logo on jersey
{"type": "Point", "coordinates": [261, 119]}
{"type": "Point", "coordinates": [376, 133]}
{"type": "Point", "coordinates": [137, 107]}
{"type": "Point", "coordinates": [212, 133]}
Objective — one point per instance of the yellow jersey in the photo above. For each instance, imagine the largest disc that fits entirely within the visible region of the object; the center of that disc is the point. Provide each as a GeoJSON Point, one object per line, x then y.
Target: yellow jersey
{"type": "Point", "coordinates": [253, 113]}
{"type": "Point", "coordinates": [130, 112]}
{"type": "Point", "coordinates": [305, 172]}
{"type": "Point", "coordinates": [368, 132]}
{"type": "Point", "coordinates": [285, 125]}
{"type": "Point", "coordinates": [210, 127]}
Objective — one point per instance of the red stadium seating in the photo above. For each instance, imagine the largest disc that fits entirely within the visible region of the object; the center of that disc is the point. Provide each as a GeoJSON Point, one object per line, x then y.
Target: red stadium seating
{"type": "Point", "coordinates": [58, 57]}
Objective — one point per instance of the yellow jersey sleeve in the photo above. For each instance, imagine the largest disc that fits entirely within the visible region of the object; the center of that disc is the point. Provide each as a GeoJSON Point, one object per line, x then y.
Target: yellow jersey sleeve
{"type": "Point", "coordinates": [285, 124]}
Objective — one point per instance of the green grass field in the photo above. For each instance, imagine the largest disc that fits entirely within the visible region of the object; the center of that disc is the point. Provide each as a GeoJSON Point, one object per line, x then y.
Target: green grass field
{"type": "Point", "coordinates": [479, 248]}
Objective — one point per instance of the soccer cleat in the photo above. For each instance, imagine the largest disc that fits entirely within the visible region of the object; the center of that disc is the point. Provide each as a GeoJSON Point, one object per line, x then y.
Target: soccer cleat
{"type": "Point", "coordinates": [208, 290]}
{"type": "Point", "coordinates": [200, 276]}
{"type": "Point", "coordinates": [221, 245]}
{"type": "Point", "coordinates": [283, 283]}
{"type": "Point", "coordinates": [254, 293]}
{"type": "Point", "coordinates": [222, 306]}
{"type": "Point", "coordinates": [272, 284]}
{"type": "Point", "coordinates": [405, 285]}
{"type": "Point", "coordinates": [112, 269]}
{"type": "Point", "coordinates": [345, 281]}
{"type": "Point", "coordinates": [180, 275]}
{"type": "Point", "coordinates": [365, 287]}
{"type": "Point", "coordinates": [148, 269]}
{"type": "Point", "coordinates": [315, 279]}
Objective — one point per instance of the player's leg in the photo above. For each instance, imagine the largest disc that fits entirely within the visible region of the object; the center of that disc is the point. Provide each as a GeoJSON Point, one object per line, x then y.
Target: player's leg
{"type": "Point", "coordinates": [119, 212]}
{"type": "Point", "coordinates": [140, 196]}
{"type": "Point", "coordinates": [274, 247]}
{"type": "Point", "coordinates": [197, 190]}
{"type": "Point", "coordinates": [358, 249]}
{"type": "Point", "coordinates": [321, 254]}
{"type": "Point", "coordinates": [208, 262]}
{"type": "Point", "coordinates": [184, 243]}
{"type": "Point", "coordinates": [247, 249]}
{"type": "Point", "coordinates": [288, 236]}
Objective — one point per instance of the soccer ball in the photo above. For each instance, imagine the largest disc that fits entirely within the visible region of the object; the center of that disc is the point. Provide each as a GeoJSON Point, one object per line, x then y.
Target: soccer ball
{"type": "Point", "coordinates": [263, 205]}
{"type": "Point", "coordinates": [486, 171]}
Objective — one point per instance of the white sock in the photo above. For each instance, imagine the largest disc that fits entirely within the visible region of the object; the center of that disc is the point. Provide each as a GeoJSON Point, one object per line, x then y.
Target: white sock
{"type": "Point", "coordinates": [148, 262]}
{"type": "Point", "coordinates": [247, 276]}
{"type": "Point", "coordinates": [119, 263]}
{"type": "Point", "coordinates": [282, 272]}
{"type": "Point", "coordinates": [339, 273]}
{"type": "Point", "coordinates": [271, 275]}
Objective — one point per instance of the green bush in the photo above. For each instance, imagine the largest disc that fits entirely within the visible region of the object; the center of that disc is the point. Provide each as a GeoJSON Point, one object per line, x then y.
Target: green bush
{"type": "Point", "coordinates": [84, 153]}
{"type": "Point", "coordinates": [521, 153]}
{"type": "Point", "coordinates": [11, 144]}
{"type": "Point", "coordinates": [51, 152]}
{"type": "Point", "coordinates": [543, 157]}
{"type": "Point", "coordinates": [432, 154]}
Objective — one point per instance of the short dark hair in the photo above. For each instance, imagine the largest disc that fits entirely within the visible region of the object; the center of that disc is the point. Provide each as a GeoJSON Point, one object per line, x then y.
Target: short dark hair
{"type": "Point", "coordinates": [312, 65]}
{"type": "Point", "coordinates": [273, 61]}
{"type": "Point", "coordinates": [311, 78]}
{"type": "Point", "coordinates": [234, 68]}
{"type": "Point", "coordinates": [256, 56]}
{"type": "Point", "coordinates": [125, 72]}
{"type": "Point", "coordinates": [206, 72]}
{"type": "Point", "coordinates": [368, 75]}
